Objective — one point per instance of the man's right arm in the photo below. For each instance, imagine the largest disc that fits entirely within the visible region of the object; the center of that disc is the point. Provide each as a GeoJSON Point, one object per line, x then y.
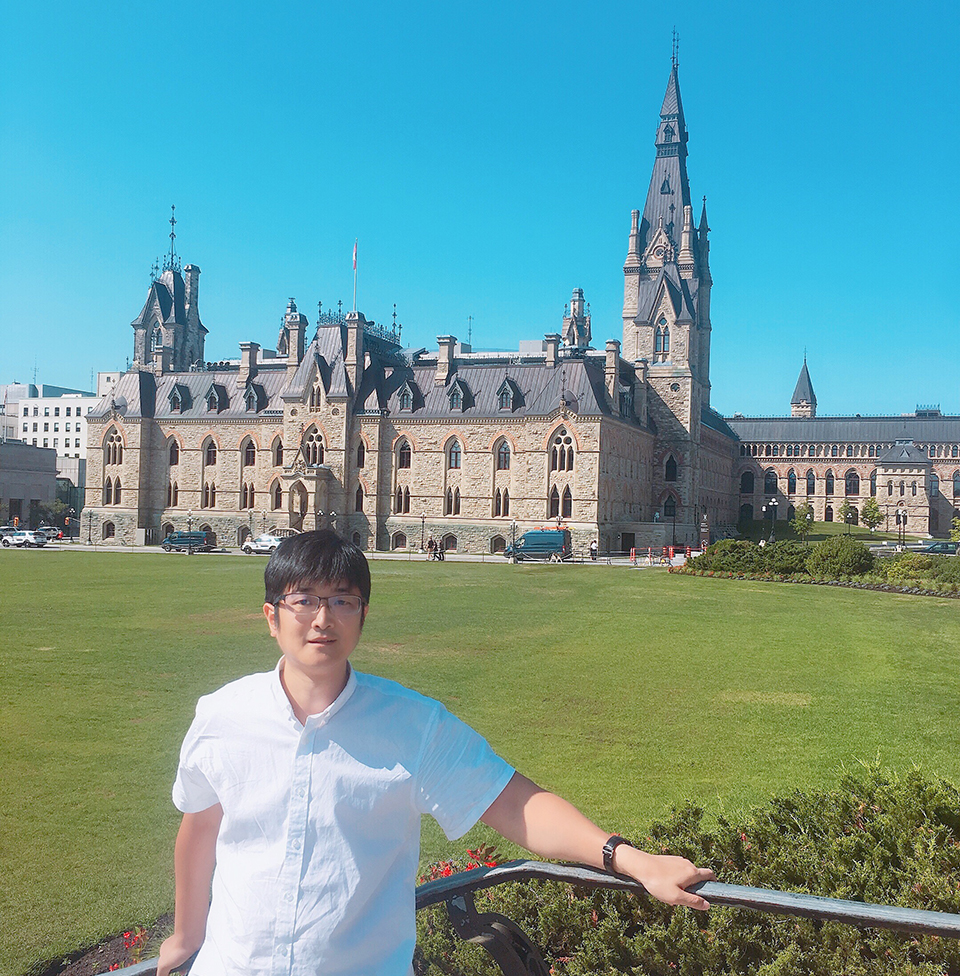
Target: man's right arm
{"type": "Point", "coordinates": [194, 859]}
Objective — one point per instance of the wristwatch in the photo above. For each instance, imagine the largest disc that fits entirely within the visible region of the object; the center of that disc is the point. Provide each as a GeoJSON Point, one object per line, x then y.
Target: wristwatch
{"type": "Point", "coordinates": [611, 845]}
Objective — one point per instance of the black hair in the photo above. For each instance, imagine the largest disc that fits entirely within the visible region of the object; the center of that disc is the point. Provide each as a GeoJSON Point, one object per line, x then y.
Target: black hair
{"type": "Point", "coordinates": [315, 557]}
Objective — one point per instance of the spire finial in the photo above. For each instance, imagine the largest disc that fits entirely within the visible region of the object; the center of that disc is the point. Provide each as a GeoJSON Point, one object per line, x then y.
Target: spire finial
{"type": "Point", "coordinates": [675, 52]}
{"type": "Point", "coordinates": [172, 263]}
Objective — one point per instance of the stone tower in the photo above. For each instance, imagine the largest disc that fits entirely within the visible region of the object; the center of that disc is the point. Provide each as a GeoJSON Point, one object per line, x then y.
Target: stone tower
{"type": "Point", "coordinates": [666, 311]}
{"type": "Point", "coordinates": [804, 402]}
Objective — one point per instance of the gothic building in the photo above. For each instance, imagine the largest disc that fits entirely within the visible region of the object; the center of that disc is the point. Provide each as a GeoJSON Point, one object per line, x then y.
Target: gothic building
{"type": "Point", "coordinates": [341, 425]}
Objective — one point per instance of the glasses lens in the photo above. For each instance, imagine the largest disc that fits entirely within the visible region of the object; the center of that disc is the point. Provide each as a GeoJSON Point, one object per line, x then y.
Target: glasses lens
{"type": "Point", "coordinates": [344, 606]}
{"type": "Point", "coordinates": [307, 604]}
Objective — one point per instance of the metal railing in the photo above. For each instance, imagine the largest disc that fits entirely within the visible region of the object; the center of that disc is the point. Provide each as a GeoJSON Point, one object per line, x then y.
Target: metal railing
{"type": "Point", "coordinates": [517, 955]}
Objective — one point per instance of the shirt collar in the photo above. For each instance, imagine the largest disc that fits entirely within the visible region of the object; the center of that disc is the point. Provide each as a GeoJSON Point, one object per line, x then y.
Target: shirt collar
{"type": "Point", "coordinates": [321, 717]}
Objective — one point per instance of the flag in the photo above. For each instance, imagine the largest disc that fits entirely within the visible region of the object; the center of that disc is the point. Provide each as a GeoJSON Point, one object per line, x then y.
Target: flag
{"type": "Point", "coordinates": [355, 255]}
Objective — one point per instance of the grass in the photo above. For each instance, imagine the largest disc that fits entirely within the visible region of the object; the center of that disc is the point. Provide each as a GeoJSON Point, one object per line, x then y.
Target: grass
{"type": "Point", "coordinates": [756, 530]}
{"type": "Point", "coordinates": [624, 690]}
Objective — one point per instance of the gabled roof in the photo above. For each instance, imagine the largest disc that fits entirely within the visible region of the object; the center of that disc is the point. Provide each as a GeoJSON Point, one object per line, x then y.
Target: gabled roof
{"type": "Point", "coordinates": [905, 453]}
{"type": "Point", "coordinates": [166, 299]}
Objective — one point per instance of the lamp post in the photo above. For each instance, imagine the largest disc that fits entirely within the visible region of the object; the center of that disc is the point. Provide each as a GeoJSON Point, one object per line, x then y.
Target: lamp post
{"type": "Point", "coordinates": [71, 514]}
{"type": "Point", "coordinates": [189, 519]}
{"type": "Point", "coordinates": [901, 525]}
{"type": "Point", "coordinates": [89, 526]}
{"type": "Point", "coordinates": [513, 541]}
{"type": "Point", "coordinates": [771, 507]}
{"type": "Point", "coordinates": [423, 528]}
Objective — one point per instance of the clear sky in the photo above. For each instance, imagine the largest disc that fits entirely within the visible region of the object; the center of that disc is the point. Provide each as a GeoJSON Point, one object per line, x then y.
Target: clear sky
{"type": "Point", "coordinates": [487, 156]}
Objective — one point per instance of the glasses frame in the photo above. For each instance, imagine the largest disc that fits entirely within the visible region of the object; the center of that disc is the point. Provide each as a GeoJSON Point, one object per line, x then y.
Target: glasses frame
{"type": "Point", "coordinates": [322, 601]}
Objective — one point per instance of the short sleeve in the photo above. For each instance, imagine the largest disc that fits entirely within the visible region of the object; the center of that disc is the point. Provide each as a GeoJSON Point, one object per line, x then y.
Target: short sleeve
{"type": "Point", "coordinates": [192, 790]}
{"type": "Point", "coordinates": [459, 774]}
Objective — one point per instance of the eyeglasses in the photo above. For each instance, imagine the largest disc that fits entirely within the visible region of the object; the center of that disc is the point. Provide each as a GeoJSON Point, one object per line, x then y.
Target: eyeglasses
{"type": "Point", "coordinates": [307, 605]}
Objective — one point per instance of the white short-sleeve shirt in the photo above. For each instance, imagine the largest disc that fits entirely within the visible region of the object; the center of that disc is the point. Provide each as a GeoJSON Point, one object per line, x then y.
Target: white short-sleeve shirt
{"type": "Point", "coordinates": [319, 844]}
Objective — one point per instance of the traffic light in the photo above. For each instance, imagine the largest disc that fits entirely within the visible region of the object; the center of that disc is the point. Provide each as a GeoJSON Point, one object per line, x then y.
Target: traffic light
{"type": "Point", "coordinates": [66, 521]}
{"type": "Point", "coordinates": [16, 521]}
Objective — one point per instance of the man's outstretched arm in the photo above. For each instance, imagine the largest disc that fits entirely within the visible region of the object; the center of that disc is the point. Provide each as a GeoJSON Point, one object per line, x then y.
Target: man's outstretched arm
{"type": "Point", "coordinates": [194, 858]}
{"type": "Point", "coordinates": [548, 825]}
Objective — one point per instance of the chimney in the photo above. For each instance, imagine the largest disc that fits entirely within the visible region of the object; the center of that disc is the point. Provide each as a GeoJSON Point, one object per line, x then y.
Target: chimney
{"type": "Point", "coordinates": [552, 342]}
{"type": "Point", "coordinates": [353, 355]}
{"type": "Point", "coordinates": [612, 371]}
{"type": "Point", "coordinates": [445, 361]}
{"type": "Point", "coordinates": [640, 390]}
{"type": "Point", "coordinates": [249, 352]}
{"type": "Point", "coordinates": [296, 326]}
{"type": "Point", "coordinates": [633, 249]}
{"type": "Point", "coordinates": [686, 237]}
{"type": "Point", "coordinates": [191, 275]}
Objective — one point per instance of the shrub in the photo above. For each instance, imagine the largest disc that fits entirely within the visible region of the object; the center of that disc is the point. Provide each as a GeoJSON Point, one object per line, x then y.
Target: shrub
{"type": "Point", "coordinates": [840, 555]}
{"type": "Point", "coordinates": [876, 838]}
{"type": "Point", "coordinates": [730, 555]}
{"type": "Point", "coordinates": [786, 557]}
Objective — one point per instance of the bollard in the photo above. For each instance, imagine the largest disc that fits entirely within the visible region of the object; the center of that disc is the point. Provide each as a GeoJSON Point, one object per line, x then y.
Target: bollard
{"type": "Point", "coordinates": [633, 557]}
{"type": "Point", "coordinates": [671, 553]}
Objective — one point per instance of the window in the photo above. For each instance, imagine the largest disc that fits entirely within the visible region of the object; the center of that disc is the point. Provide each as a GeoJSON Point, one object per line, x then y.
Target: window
{"type": "Point", "coordinates": [247, 495]}
{"type": "Point", "coordinates": [210, 454]}
{"type": "Point", "coordinates": [828, 479]}
{"type": "Point", "coordinates": [956, 484]}
{"type": "Point", "coordinates": [670, 470]}
{"type": "Point", "coordinates": [56, 411]}
{"type": "Point", "coordinates": [852, 483]}
{"type": "Point", "coordinates": [46, 442]}
{"type": "Point", "coordinates": [503, 456]}
{"type": "Point", "coordinates": [670, 507]}
{"type": "Point", "coordinates": [249, 455]}
{"type": "Point", "coordinates": [770, 486]}
{"type": "Point", "coordinates": [828, 514]}
{"type": "Point", "coordinates": [456, 400]}
{"type": "Point", "coordinates": [561, 456]}
{"type": "Point", "coordinates": [358, 499]}
{"type": "Point", "coordinates": [901, 489]}
{"type": "Point", "coordinates": [76, 443]}
{"type": "Point", "coordinates": [399, 541]}
{"type": "Point", "coordinates": [361, 454]}
{"type": "Point", "coordinates": [108, 492]}
{"type": "Point", "coordinates": [313, 447]}
{"type": "Point", "coordinates": [34, 428]}
{"type": "Point", "coordinates": [276, 497]}
{"type": "Point", "coordinates": [501, 502]}
{"type": "Point", "coordinates": [661, 341]}
{"type": "Point", "coordinates": [174, 453]}
{"type": "Point", "coordinates": [913, 488]}
{"type": "Point", "coordinates": [56, 442]}
{"type": "Point", "coordinates": [791, 482]}
{"type": "Point", "coordinates": [46, 428]}
{"type": "Point", "coordinates": [116, 492]}
{"type": "Point", "coordinates": [251, 401]}
{"type": "Point", "coordinates": [404, 454]}
{"type": "Point", "coordinates": [406, 400]}
{"type": "Point", "coordinates": [278, 453]}
{"type": "Point", "coordinates": [109, 530]}
{"type": "Point", "coordinates": [566, 508]}
{"type": "Point", "coordinates": [46, 411]}
{"type": "Point", "coordinates": [873, 483]}
{"type": "Point", "coordinates": [402, 501]}
{"type": "Point", "coordinates": [934, 486]}
{"type": "Point", "coordinates": [156, 340]}
{"type": "Point", "coordinates": [175, 402]}
{"type": "Point", "coordinates": [505, 400]}
{"type": "Point", "coordinates": [209, 495]}
{"type": "Point", "coordinates": [113, 451]}
{"type": "Point", "coordinates": [212, 402]}
{"type": "Point", "coordinates": [746, 483]}
{"type": "Point", "coordinates": [454, 455]}
{"type": "Point", "coordinates": [554, 509]}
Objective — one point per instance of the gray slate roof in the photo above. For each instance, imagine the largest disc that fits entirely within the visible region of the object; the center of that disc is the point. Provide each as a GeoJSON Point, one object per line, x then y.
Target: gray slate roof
{"type": "Point", "coordinates": [925, 430]}
{"type": "Point", "coordinates": [804, 389]}
{"type": "Point", "coordinates": [903, 453]}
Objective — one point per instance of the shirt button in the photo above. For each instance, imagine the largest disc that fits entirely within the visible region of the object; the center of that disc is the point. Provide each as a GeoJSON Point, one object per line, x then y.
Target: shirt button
{"type": "Point", "coordinates": [296, 845]}
{"type": "Point", "coordinates": [301, 793]}
{"type": "Point", "coordinates": [288, 896]}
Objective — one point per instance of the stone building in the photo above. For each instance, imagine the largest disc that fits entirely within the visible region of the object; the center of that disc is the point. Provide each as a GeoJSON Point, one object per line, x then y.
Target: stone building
{"type": "Point", "coordinates": [911, 461]}
{"type": "Point", "coordinates": [340, 425]}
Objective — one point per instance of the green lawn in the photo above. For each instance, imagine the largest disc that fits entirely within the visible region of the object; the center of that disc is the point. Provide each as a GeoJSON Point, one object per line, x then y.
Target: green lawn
{"type": "Point", "coordinates": [625, 690]}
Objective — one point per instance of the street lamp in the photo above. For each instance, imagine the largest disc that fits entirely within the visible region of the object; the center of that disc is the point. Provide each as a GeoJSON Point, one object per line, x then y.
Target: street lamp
{"type": "Point", "coordinates": [513, 541]}
{"type": "Point", "coordinates": [771, 507]}
{"type": "Point", "coordinates": [89, 525]}
{"type": "Point", "coordinates": [423, 527]}
{"type": "Point", "coordinates": [901, 525]}
{"type": "Point", "coordinates": [71, 513]}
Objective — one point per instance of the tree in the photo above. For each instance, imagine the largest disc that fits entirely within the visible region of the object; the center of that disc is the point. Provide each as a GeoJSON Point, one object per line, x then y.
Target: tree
{"type": "Point", "coordinates": [803, 521]}
{"type": "Point", "coordinates": [844, 511]}
{"type": "Point", "coordinates": [870, 514]}
{"type": "Point", "coordinates": [955, 531]}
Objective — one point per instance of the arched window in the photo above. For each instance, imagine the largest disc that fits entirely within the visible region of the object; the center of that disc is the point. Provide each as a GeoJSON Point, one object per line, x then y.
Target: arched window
{"type": "Point", "coordinates": [956, 484]}
{"type": "Point", "coordinates": [210, 453]}
{"type": "Point", "coordinates": [406, 400]}
{"type": "Point", "coordinates": [498, 544]}
{"type": "Point", "coordinates": [116, 491]}
{"type": "Point", "coordinates": [746, 483]}
{"type": "Point", "coordinates": [566, 508]}
{"type": "Point", "coordinates": [497, 503]}
{"type": "Point", "coordinates": [398, 502]}
{"type": "Point", "coordinates": [357, 541]}
{"type": "Point", "coordinates": [554, 509]}
{"type": "Point", "coordinates": [456, 400]}
{"type": "Point", "coordinates": [670, 469]}
{"type": "Point", "coordinates": [811, 482]}
{"type": "Point", "coordinates": [361, 454]}
{"type": "Point", "coordinates": [278, 453]}
{"type": "Point", "coordinates": [109, 530]}
{"type": "Point", "coordinates": [313, 447]}
{"type": "Point", "coordinates": [934, 486]}
{"type": "Point", "coordinates": [251, 401]}
{"type": "Point", "coordinates": [561, 457]}
{"type": "Point", "coordinates": [173, 495]}
{"type": "Point", "coordinates": [852, 483]}
{"type": "Point", "coordinates": [791, 482]}
{"type": "Point", "coordinates": [449, 543]}
{"type": "Point", "coordinates": [176, 403]}
{"type": "Point", "coordinates": [506, 502]}
{"type": "Point", "coordinates": [828, 514]}
{"type": "Point", "coordinates": [770, 486]}
{"type": "Point", "coordinates": [453, 455]}
{"type": "Point", "coordinates": [873, 483]}
{"type": "Point", "coordinates": [670, 507]}
{"type": "Point", "coordinates": [828, 482]}
{"type": "Point", "coordinates": [213, 402]}
{"type": "Point", "coordinates": [156, 340]}
{"type": "Point", "coordinates": [250, 500]}
{"type": "Point", "coordinates": [358, 500]}
{"type": "Point", "coordinates": [746, 513]}
{"type": "Point", "coordinates": [913, 488]}
{"type": "Point", "coordinates": [174, 453]}
{"type": "Point", "coordinates": [113, 449]}
{"type": "Point", "coordinates": [406, 500]}
{"type": "Point", "coordinates": [404, 454]}
{"type": "Point", "coordinates": [277, 496]}
{"type": "Point", "coordinates": [503, 456]}
{"type": "Point", "coordinates": [169, 493]}
{"type": "Point", "coordinates": [399, 541]}
{"type": "Point", "coordinates": [791, 513]}
{"type": "Point", "coordinates": [108, 492]}
{"type": "Point", "coordinates": [249, 455]}
{"type": "Point", "coordinates": [505, 400]}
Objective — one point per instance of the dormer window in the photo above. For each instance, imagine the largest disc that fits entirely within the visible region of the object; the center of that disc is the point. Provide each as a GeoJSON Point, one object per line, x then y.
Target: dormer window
{"type": "Point", "coordinates": [406, 400]}
{"type": "Point", "coordinates": [505, 396]}
{"type": "Point", "coordinates": [456, 400]}
{"type": "Point", "coordinates": [213, 402]}
{"type": "Point", "coordinates": [251, 401]}
{"type": "Point", "coordinates": [176, 404]}
{"type": "Point", "coordinates": [668, 134]}
{"type": "Point", "coordinates": [156, 340]}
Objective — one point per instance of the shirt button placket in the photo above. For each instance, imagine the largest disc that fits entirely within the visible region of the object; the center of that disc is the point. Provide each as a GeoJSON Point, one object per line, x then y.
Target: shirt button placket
{"type": "Point", "coordinates": [293, 857]}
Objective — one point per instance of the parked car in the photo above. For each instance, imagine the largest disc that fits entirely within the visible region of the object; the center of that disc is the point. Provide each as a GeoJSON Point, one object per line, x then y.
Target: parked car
{"type": "Point", "coordinates": [551, 544]}
{"type": "Point", "coordinates": [940, 548]}
{"type": "Point", "coordinates": [51, 532]}
{"type": "Point", "coordinates": [178, 541]}
{"type": "Point", "coordinates": [6, 530]}
{"type": "Point", "coordinates": [262, 543]}
{"type": "Point", "coordinates": [25, 539]}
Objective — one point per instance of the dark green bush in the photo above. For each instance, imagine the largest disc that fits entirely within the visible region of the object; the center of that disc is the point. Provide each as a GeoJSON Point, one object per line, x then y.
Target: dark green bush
{"type": "Point", "coordinates": [786, 557]}
{"type": "Point", "coordinates": [876, 838]}
{"type": "Point", "coordinates": [730, 555]}
{"type": "Point", "coordinates": [840, 555]}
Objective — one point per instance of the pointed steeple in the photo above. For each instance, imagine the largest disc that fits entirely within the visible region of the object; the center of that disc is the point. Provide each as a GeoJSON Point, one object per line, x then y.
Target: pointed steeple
{"type": "Point", "coordinates": [804, 402]}
{"type": "Point", "coordinates": [669, 190]}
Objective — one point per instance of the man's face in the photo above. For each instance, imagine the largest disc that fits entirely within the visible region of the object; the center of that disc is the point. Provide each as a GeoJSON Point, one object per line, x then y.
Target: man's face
{"type": "Point", "coordinates": [315, 641]}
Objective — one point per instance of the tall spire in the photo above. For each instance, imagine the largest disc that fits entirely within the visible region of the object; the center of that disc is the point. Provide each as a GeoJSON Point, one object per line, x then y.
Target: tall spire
{"type": "Point", "coordinates": [669, 190]}
{"type": "Point", "coordinates": [172, 262]}
{"type": "Point", "coordinates": [804, 401]}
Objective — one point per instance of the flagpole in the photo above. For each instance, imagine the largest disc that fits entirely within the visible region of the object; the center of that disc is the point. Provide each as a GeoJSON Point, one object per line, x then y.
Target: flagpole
{"type": "Point", "coordinates": [355, 273]}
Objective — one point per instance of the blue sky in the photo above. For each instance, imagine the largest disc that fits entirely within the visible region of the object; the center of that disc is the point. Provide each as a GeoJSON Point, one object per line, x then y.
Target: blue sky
{"type": "Point", "coordinates": [487, 157]}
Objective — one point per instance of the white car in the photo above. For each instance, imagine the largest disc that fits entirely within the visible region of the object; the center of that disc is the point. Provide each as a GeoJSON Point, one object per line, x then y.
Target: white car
{"type": "Point", "coordinates": [262, 543]}
{"type": "Point", "coordinates": [25, 540]}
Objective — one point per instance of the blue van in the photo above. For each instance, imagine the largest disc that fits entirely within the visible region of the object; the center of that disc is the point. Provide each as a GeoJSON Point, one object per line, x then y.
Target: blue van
{"type": "Point", "coordinates": [545, 544]}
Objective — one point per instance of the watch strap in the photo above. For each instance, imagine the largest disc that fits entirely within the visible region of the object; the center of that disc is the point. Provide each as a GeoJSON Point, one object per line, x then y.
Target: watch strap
{"type": "Point", "coordinates": [611, 845]}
